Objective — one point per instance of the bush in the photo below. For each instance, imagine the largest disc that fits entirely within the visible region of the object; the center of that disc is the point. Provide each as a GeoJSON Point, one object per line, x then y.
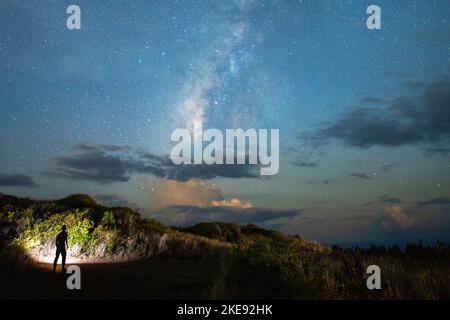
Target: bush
{"type": "Point", "coordinates": [270, 269]}
{"type": "Point", "coordinates": [78, 223]}
{"type": "Point", "coordinates": [109, 220]}
{"type": "Point", "coordinates": [13, 258]}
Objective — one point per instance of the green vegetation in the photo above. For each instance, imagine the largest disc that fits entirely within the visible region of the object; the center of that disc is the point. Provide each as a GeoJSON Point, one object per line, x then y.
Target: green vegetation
{"type": "Point", "coordinates": [286, 269]}
{"type": "Point", "coordinates": [78, 222]}
{"type": "Point", "coordinates": [266, 264]}
{"type": "Point", "coordinates": [255, 263]}
{"type": "Point", "coordinates": [230, 232]}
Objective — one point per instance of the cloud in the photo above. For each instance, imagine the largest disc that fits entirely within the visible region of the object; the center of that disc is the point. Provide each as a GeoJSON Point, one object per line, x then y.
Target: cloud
{"type": "Point", "coordinates": [433, 202]}
{"type": "Point", "coordinates": [163, 193]}
{"type": "Point", "coordinates": [193, 193]}
{"type": "Point", "coordinates": [106, 164]}
{"type": "Point", "coordinates": [94, 165]}
{"type": "Point", "coordinates": [397, 218]}
{"type": "Point", "coordinates": [385, 199]}
{"type": "Point", "coordinates": [404, 120]}
{"type": "Point", "coordinates": [360, 175]}
{"type": "Point", "coordinates": [236, 203]}
{"type": "Point", "coordinates": [17, 180]}
{"type": "Point", "coordinates": [112, 200]}
{"type": "Point", "coordinates": [189, 215]}
{"type": "Point", "coordinates": [166, 169]}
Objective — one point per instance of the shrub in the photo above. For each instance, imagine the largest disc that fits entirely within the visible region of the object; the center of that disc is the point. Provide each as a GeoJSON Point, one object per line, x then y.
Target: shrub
{"type": "Point", "coordinates": [268, 268]}
{"type": "Point", "coordinates": [78, 223]}
{"type": "Point", "coordinates": [109, 220]}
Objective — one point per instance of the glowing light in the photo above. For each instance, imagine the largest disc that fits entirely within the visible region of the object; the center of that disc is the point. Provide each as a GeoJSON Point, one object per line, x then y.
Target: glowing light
{"type": "Point", "coordinates": [46, 254]}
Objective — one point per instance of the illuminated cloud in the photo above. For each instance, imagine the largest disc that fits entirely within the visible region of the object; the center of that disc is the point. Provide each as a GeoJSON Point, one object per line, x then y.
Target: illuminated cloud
{"type": "Point", "coordinates": [232, 203]}
{"type": "Point", "coordinates": [163, 193]}
{"type": "Point", "coordinates": [397, 217]}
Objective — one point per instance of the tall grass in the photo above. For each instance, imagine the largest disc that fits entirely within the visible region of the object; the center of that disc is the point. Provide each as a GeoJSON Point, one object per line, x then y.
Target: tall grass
{"type": "Point", "coordinates": [267, 269]}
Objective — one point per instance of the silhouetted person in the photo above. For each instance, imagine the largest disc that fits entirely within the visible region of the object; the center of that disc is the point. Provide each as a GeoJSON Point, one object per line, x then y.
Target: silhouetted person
{"type": "Point", "coordinates": [61, 242]}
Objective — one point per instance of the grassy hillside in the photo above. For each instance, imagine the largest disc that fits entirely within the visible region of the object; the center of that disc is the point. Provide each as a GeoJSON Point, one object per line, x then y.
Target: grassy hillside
{"type": "Point", "coordinates": [97, 234]}
{"type": "Point", "coordinates": [248, 262]}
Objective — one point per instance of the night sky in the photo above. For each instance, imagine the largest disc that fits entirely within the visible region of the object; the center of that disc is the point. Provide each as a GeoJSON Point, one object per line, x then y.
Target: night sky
{"type": "Point", "coordinates": [364, 115]}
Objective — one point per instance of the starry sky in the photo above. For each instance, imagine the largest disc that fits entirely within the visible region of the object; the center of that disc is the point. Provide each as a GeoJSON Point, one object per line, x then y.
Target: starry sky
{"type": "Point", "coordinates": [364, 115]}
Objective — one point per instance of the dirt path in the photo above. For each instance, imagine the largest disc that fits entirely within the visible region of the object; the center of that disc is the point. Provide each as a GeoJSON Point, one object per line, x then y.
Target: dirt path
{"type": "Point", "coordinates": [155, 279]}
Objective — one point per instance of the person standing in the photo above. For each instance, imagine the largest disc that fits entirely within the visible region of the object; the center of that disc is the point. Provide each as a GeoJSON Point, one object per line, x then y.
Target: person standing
{"type": "Point", "coordinates": [61, 244]}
